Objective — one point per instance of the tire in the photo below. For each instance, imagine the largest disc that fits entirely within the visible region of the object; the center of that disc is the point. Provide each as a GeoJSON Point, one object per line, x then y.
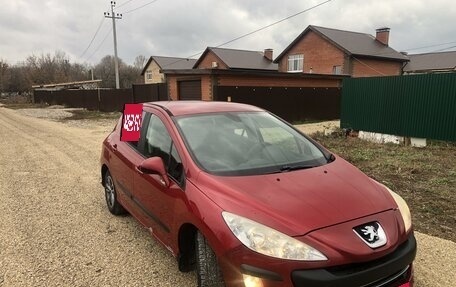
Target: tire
{"type": "Point", "coordinates": [207, 268]}
{"type": "Point", "coordinates": [111, 195]}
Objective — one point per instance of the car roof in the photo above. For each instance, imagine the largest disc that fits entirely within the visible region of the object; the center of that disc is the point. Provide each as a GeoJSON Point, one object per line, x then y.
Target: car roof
{"type": "Point", "coordinates": [179, 108]}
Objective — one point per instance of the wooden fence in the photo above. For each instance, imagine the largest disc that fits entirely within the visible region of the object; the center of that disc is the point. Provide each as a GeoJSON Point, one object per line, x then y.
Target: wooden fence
{"type": "Point", "coordinates": [106, 100]}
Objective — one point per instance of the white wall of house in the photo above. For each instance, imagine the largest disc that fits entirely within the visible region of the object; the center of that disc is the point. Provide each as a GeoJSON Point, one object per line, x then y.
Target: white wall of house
{"type": "Point", "coordinates": [153, 75]}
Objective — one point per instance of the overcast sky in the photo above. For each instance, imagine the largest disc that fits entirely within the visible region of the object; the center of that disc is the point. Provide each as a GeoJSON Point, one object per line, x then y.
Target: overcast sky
{"type": "Point", "coordinates": [185, 27]}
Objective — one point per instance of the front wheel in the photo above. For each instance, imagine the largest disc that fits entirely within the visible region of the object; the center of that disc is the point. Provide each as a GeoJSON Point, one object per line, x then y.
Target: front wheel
{"type": "Point", "coordinates": [111, 195]}
{"type": "Point", "coordinates": [207, 267]}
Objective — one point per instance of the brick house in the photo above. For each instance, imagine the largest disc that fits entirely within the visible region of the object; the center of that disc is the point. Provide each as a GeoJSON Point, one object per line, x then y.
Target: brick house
{"type": "Point", "coordinates": [220, 67]}
{"type": "Point", "coordinates": [232, 59]}
{"type": "Point", "coordinates": [331, 51]}
{"type": "Point", "coordinates": [438, 62]}
{"type": "Point", "coordinates": [152, 71]}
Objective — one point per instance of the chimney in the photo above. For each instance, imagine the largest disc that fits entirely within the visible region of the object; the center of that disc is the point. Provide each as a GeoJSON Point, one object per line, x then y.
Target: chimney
{"type": "Point", "coordinates": [383, 35]}
{"type": "Point", "coordinates": [268, 54]}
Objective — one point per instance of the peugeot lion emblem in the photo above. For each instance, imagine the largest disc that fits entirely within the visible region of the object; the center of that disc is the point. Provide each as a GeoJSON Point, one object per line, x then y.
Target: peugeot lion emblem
{"type": "Point", "coordinates": [371, 233]}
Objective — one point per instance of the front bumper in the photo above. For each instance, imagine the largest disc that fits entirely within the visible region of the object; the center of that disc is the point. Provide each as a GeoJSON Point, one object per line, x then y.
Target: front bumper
{"type": "Point", "coordinates": [390, 270]}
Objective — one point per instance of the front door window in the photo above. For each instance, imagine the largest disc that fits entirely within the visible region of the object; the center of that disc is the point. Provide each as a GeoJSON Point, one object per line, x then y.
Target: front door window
{"type": "Point", "coordinates": [158, 142]}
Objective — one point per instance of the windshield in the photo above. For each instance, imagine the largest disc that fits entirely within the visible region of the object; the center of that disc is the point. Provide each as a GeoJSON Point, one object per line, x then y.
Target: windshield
{"type": "Point", "coordinates": [235, 143]}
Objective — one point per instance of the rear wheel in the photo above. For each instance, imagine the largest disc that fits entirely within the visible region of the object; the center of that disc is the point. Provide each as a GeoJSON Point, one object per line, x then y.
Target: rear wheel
{"type": "Point", "coordinates": [207, 268]}
{"type": "Point", "coordinates": [111, 195]}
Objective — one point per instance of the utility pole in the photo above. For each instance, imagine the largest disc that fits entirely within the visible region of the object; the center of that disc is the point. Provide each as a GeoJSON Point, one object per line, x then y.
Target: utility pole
{"type": "Point", "coordinates": [114, 16]}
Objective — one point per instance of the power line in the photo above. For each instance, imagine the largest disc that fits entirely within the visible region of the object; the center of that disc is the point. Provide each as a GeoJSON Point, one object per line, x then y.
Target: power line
{"type": "Point", "coordinates": [419, 48]}
{"type": "Point", "coordinates": [257, 30]}
{"type": "Point", "coordinates": [430, 46]}
{"type": "Point", "coordinates": [272, 24]}
{"type": "Point", "coordinates": [132, 10]}
{"type": "Point", "coordinates": [93, 38]}
{"type": "Point", "coordinates": [123, 4]}
{"type": "Point", "coordinates": [444, 49]}
{"type": "Point", "coordinates": [101, 24]}
{"type": "Point", "coordinates": [370, 67]}
{"type": "Point", "coordinates": [99, 46]}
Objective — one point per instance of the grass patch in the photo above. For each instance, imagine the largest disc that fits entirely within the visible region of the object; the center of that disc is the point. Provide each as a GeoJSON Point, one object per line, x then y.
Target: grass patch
{"type": "Point", "coordinates": [424, 177]}
{"type": "Point", "coordinates": [83, 114]}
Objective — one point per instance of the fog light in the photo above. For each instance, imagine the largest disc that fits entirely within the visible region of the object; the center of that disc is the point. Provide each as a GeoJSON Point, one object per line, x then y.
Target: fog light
{"type": "Point", "coordinates": [252, 281]}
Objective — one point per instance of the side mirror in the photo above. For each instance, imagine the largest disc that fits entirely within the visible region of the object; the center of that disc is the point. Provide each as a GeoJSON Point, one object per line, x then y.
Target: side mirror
{"type": "Point", "coordinates": [154, 165]}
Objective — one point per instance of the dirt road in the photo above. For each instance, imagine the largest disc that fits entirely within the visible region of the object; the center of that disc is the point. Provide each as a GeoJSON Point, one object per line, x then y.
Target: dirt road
{"type": "Point", "coordinates": [54, 227]}
{"type": "Point", "coordinates": [56, 231]}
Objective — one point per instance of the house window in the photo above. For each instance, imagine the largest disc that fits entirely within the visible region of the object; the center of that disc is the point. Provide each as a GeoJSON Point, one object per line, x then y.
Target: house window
{"type": "Point", "coordinates": [149, 75]}
{"type": "Point", "coordinates": [295, 63]}
{"type": "Point", "coordinates": [337, 70]}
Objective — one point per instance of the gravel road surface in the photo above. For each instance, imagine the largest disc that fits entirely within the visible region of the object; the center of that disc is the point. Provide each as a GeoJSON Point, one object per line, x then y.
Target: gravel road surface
{"type": "Point", "coordinates": [56, 231]}
{"type": "Point", "coordinates": [54, 227]}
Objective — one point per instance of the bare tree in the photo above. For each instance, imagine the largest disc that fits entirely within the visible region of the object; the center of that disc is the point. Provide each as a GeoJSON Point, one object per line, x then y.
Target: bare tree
{"type": "Point", "coordinates": [17, 80]}
{"type": "Point", "coordinates": [56, 68]}
{"type": "Point", "coordinates": [79, 72]}
{"type": "Point", "coordinates": [139, 62]}
{"type": "Point", "coordinates": [48, 69]}
{"type": "Point", "coordinates": [3, 75]}
{"type": "Point", "coordinates": [104, 70]}
{"type": "Point", "coordinates": [129, 75]}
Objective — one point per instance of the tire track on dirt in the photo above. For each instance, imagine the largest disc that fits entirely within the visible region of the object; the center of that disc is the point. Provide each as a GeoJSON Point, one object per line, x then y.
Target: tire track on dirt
{"type": "Point", "coordinates": [51, 161]}
{"type": "Point", "coordinates": [56, 140]}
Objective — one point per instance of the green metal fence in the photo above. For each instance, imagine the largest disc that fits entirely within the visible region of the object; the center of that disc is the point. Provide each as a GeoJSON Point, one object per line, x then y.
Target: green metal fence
{"type": "Point", "coordinates": [422, 106]}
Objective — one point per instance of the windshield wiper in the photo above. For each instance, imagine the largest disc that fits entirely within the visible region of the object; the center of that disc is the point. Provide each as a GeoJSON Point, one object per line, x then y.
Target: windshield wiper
{"type": "Point", "coordinates": [295, 167]}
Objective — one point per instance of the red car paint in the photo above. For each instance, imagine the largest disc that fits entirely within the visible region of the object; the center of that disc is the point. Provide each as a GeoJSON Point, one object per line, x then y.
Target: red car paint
{"type": "Point", "coordinates": [318, 206]}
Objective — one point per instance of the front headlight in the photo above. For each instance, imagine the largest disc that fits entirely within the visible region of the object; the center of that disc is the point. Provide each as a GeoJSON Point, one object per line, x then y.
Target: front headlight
{"type": "Point", "coordinates": [268, 241]}
{"type": "Point", "coordinates": [403, 208]}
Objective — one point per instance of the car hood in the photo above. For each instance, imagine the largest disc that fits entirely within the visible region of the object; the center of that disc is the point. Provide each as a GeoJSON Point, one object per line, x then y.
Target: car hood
{"type": "Point", "coordinates": [298, 202]}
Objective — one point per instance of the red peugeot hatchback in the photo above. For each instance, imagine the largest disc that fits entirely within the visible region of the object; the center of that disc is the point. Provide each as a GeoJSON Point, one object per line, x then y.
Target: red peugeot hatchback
{"type": "Point", "coordinates": [247, 200]}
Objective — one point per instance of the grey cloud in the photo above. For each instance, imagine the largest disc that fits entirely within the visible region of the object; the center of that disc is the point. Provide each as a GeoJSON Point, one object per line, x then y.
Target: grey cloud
{"type": "Point", "coordinates": [182, 28]}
